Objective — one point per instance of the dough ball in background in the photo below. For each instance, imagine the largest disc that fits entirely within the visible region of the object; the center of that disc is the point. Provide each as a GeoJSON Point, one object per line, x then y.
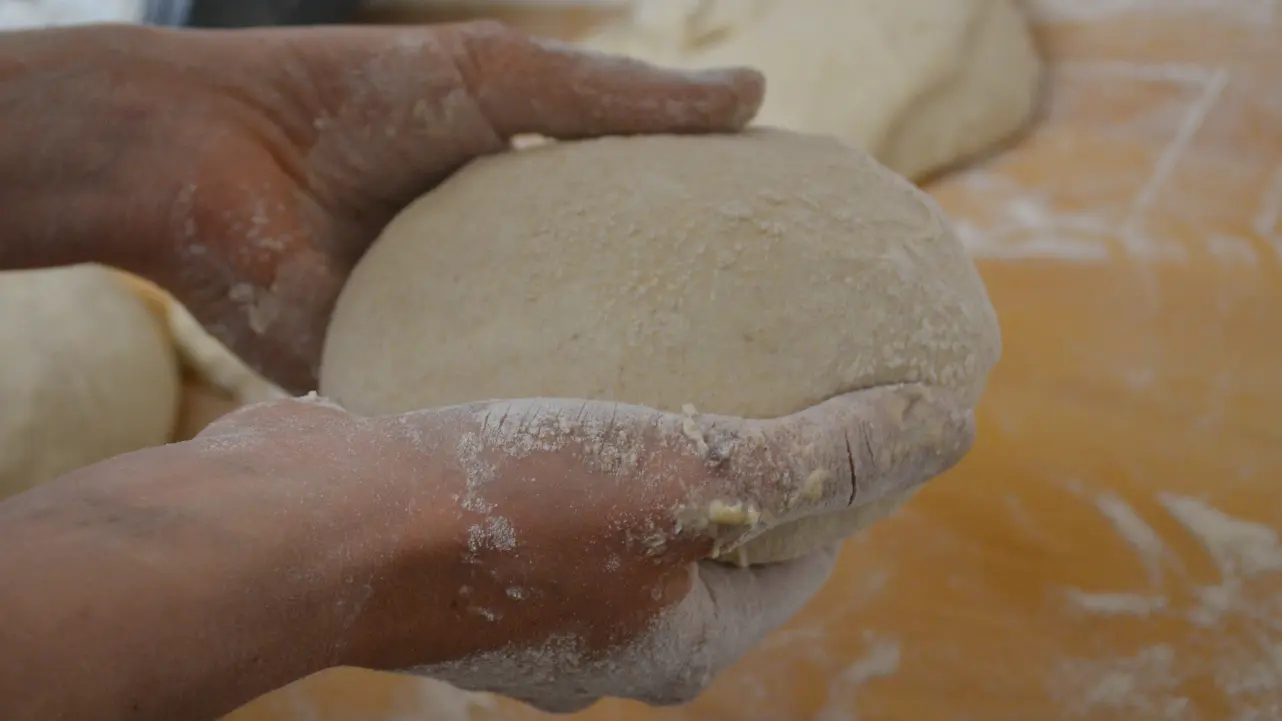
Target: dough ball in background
{"type": "Point", "coordinates": [754, 275]}
{"type": "Point", "coordinates": [88, 373]}
{"type": "Point", "coordinates": [920, 84]}
{"type": "Point", "coordinates": [215, 380]}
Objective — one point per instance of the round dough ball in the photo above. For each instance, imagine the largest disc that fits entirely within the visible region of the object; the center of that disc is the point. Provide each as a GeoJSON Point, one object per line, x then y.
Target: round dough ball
{"type": "Point", "coordinates": [752, 275]}
{"type": "Point", "coordinates": [205, 360]}
{"type": "Point", "coordinates": [214, 364]}
{"type": "Point", "coordinates": [920, 84]}
{"type": "Point", "coordinates": [89, 373]}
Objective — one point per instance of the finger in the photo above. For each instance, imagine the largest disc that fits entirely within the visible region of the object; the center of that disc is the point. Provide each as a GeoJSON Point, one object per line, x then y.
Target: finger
{"type": "Point", "coordinates": [308, 411]}
{"type": "Point", "coordinates": [739, 607]}
{"type": "Point", "coordinates": [896, 437]}
{"type": "Point", "coordinates": [526, 84]}
{"type": "Point", "coordinates": [277, 326]}
{"type": "Point", "coordinates": [755, 601]}
{"type": "Point", "coordinates": [704, 484]}
{"type": "Point", "coordinates": [249, 265]}
{"type": "Point", "coordinates": [849, 452]}
{"type": "Point", "coordinates": [727, 612]}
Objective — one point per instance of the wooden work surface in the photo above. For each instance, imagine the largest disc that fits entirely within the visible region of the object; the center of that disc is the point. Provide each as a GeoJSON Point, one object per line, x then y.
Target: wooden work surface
{"type": "Point", "coordinates": [1110, 549]}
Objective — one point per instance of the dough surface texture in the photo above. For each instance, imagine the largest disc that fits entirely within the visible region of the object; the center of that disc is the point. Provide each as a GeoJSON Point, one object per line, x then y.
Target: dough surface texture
{"type": "Point", "coordinates": [88, 373]}
{"type": "Point", "coordinates": [752, 275]}
{"type": "Point", "coordinates": [920, 84]}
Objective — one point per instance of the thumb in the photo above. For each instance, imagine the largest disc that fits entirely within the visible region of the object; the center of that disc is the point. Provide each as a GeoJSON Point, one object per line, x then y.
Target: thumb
{"type": "Point", "coordinates": [752, 602]}
{"type": "Point", "coordinates": [739, 607]}
{"type": "Point", "coordinates": [526, 84]}
{"type": "Point", "coordinates": [310, 412]}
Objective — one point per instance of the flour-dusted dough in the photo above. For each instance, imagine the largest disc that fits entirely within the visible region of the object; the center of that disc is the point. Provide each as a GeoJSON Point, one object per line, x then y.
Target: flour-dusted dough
{"type": "Point", "coordinates": [752, 275]}
{"type": "Point", "coordinates": [88, 373]}
{"type": "Point", "coordinates": [920, 84]}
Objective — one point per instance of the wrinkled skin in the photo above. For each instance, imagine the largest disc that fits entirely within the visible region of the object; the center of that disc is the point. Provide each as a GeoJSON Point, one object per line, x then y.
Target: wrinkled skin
{"type": "Point", "coordinates": [262, 163]}
{"type": "Point", "coordinates": [246, 172]}
{"type": "Point", "coordinates": [624, 562]}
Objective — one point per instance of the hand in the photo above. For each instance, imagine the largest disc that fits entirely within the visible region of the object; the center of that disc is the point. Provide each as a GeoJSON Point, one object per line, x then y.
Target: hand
{"type": "Point", "coordinates": [551, 550]}
{"type": "Point", "coordinates": [246, 172]}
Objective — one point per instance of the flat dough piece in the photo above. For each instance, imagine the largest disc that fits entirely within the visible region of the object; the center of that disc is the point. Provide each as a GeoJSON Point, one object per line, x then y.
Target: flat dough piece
{"type": "Point", "coordinates": [88, 374]}
{"type": "Point", "coordinates": [215, 364]}
{"type": "Point", "coordinates": [920, 84]}
{"type": "Point", "coordinates": [753, 275]}
{"type": "Point", "coordinates": [203, 356]}
{"type": "Point", "coordinates": [215, 380]}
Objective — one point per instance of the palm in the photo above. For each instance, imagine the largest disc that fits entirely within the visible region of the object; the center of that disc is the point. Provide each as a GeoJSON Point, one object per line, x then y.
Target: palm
{"type": "Point", "coordinates": [341, 128]}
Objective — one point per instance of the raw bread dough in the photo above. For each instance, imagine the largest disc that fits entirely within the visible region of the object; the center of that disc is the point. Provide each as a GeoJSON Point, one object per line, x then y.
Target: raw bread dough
{"type": "Point", "coordinates": [920, 84]}
{"type": "Point", "coordinates": [215, 364]}
{"type": "Point", "coordinates": [751, 275]}
{"type": "Point", "coordinates": [215, 380]}
{"type": "Point", "coordinates": [202, 355]}
{"type": "Point", "coordinates": [88, 374]}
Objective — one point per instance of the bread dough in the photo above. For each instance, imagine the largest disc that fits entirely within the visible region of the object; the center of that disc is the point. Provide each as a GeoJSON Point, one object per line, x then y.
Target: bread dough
{"type": "Point", "coordinates": [88, 374]}
{"type": "Point", "coordinates": [921, 84]}
{"type": "Point", "coordinates": [753, 275]}
{"type": "Point", "coordinates": [215, 364]}
{"type": "Point", "coordinates": [204, 358]}
{"type": "Point", "coordinates": [215, 380]}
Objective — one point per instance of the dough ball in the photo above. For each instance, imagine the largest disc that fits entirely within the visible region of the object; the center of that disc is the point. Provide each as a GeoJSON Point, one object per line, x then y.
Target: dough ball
{"type": "Point", "coordinates": [215, 381]}
{"type": "Point", "coordinates": [215, 365]}
{"type": "Point", "coordinates": [753, 275]}
{"type": "Point", "coordinates": [204, 359]}
{"type": "Point", "coordinates": [88, 373]}
{"type": "Point", "coordinates": [920, 84]}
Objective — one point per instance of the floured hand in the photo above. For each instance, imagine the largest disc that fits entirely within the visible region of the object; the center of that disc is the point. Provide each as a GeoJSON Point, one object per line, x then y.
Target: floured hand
{"type": "Point", "coordinates": [552, 550]}
{"type": "Point", "coordinates": [246, 172]}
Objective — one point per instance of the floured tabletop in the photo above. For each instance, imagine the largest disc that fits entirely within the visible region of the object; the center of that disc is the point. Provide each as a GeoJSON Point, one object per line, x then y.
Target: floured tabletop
{"type": "Point", "coordinates": [1110, 549]}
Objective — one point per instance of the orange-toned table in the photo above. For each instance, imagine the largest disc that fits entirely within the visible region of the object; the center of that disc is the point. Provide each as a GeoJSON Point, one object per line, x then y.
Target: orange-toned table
{"type": "Point", "coordinates": [1110, 549]}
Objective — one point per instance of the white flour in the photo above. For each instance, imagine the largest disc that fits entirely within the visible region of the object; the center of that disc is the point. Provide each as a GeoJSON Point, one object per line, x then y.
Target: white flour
{"type": "Point", "coordinates": [669, 664]}
{"type": "Point", "coordinates": [1153, 683]}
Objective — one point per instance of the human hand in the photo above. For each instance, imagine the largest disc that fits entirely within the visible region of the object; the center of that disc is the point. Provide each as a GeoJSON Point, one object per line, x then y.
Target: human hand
{"type": "Point", "coordinates": [552, 550]}
{"type": "Point", "coordinates": [246, 172]}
